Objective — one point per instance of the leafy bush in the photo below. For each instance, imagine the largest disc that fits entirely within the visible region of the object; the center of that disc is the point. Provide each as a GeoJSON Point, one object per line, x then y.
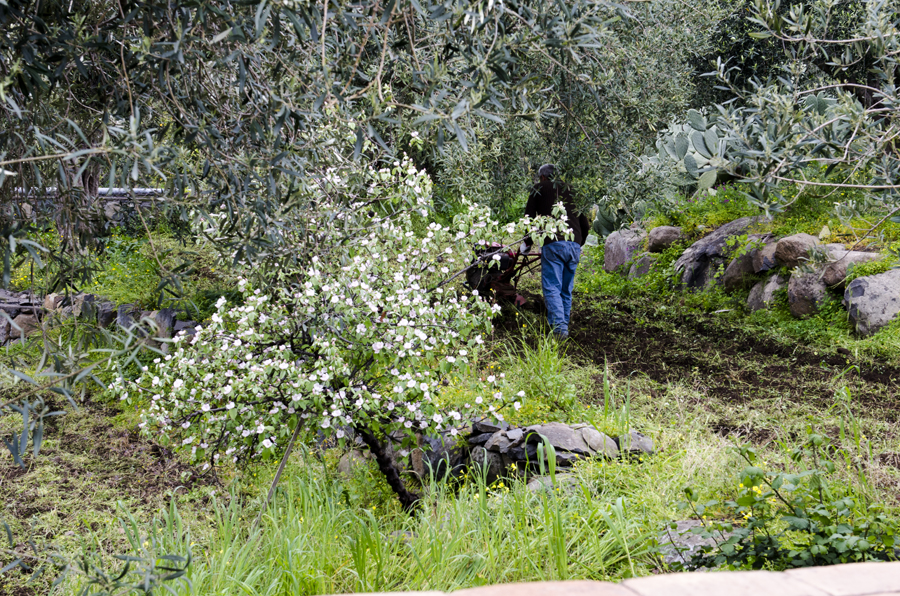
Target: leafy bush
{"type": "Point", "coordinates": [782, 520]}
{"type": "Point", "coordinates": [661, 280]}
{"type": "Point", "coordinates": [889, 260]}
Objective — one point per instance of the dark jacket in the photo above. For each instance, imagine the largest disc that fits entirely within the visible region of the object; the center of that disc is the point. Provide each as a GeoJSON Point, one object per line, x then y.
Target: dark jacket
{"type": "Point", "coordinates": [544, 195]}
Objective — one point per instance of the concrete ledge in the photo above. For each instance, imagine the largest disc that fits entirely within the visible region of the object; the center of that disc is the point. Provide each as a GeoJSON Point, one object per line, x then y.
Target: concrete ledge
{"type": "Point", "coordinates": [856, 579]}
{"type": "Point", "coordinates": [735, 583]}
{"type": "Point", "coordinates": [569, 588]}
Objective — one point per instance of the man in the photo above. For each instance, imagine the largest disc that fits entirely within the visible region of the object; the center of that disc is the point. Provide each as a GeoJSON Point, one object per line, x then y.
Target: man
{"type": "Point", "coordinates": [559, 257]}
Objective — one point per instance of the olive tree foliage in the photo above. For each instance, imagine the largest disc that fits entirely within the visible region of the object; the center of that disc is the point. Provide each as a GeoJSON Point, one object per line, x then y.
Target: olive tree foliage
{"type": "Point", "coordinates": [233, 107]}
{"type": "Point", "coordinates": [839, 133]}
{"type": "Point", "coordinates": [642, 78]}
{"type": "Point", "coordinates": [735, 39]}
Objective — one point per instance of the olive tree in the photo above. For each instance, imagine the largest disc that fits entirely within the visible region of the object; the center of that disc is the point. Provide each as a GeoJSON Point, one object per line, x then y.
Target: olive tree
{"type": "Point", "coordinates": [232, 108]}
{"type": "Point", "coordinates": [844, 128]}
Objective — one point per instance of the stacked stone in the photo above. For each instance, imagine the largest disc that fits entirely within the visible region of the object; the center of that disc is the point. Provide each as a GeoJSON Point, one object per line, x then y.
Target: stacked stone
{"type": "Point", "coordinates": [25, 314]}
{"type": "Point", "coordinates": [814, 269]}
{"type": "Point", "coordinates": [503, 451]}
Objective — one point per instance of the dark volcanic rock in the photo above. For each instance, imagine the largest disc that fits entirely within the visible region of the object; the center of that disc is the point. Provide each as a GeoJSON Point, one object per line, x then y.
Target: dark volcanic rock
{"type": "Point", "coordinates": [663, 237]}
{"type": "Point", "coordinates": [806, 293]}
{"type": "Point", "coordinates": [701, 260]}
{"type": "Point", "coordinates": [620, 247]}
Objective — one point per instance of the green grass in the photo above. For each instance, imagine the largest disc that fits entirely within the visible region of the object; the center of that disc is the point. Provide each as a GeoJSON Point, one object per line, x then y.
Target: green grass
{"type": "Point", "coordinates": [133, 271]}
{"type": "Point", "coordinates": [326, 533]}
{"type": "Point", "coordinates": [312, 542]}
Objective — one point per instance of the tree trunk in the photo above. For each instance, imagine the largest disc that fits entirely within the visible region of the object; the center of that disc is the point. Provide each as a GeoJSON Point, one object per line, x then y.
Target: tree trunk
{"type": "Point", "coordinates": [409, 500]}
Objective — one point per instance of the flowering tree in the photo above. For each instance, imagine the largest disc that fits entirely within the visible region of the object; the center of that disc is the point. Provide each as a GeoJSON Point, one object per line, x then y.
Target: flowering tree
{"type": "Point", "coordinates": [218, 103]}
{"type": "Point", "coordinates": [359, 337]}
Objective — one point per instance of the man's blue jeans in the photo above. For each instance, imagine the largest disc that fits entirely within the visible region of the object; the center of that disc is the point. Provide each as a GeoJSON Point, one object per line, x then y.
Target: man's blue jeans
{"type": "Point", "coordinates": [558, 263]}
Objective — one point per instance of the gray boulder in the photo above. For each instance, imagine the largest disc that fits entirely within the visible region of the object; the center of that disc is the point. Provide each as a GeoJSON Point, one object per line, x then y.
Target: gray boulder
{"type": "Point", "coordinates": [478, 438]}
{"type": "Point", "coordinates": [641, 266]}
{"type": "Point", "coordinates": [4, 330]}
{"type": "Point", "coordinates": [663, 237]}
{"type": "Point", "coordinates": [806, 293]}
{"type": "Point", "coordinates": [12, 310]}
{"type": "Point", "coordinates": [562, 436]}
{"type": "Point", "coordinates": [484, 425]}
{"type": "Point", "coordinates": [498, 442]}
{"type": "Point", "coordinates": [635, 443]}
{"type": "Point", "coordinates": [515, 435]}
{"type": "Point", "coordinates": [27, 325]}
{"type": "Point", "coordinates": [703, 258]}
{"type": "Point", "coordinates": [620, 247]}
{"type": "Point", "coordinates": [836, 271]}
{"type": "Point", "coordinates": [763, 293]}
{"type": "Point", "coordinates": [793, 250]}
{"type": "Point", "coordinates": [82, 303]}
{"type": "Point", "coordinates": [764, 258]}
{"type": "Point", "coordinates": [125, 316]}
{"type": "Point", "coordinates": [442, 456]}
{"type": "Point", "coordinates": [739, 272]}
{"type": "Point", "coordinates": [189, 327]}
{"type": "Point", "coordinates": [488, 461]}
{"type": "Point", "coordinates": [873, 301]}
{"type": "Point", "coordinates": [600, 443]}
{"type": "Point", "coordinates": [106, 314]}
{"type": "Point", "coordinates": [741, 269]}
{"type": "Point", "coordinates": [165, 322]}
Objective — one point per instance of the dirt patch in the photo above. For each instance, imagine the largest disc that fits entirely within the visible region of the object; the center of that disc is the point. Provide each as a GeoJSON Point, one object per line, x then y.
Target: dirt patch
{"type": "Point", "coordinates": [86, 458]}
{"type": "Point", "coordinates": [889, 459]}
{"type": "Point", "coordinates": [731, 365]}
{"type": "Point", "coordinates": [720, 361]}
{"type": "Point", "coordinates": [744, 432]}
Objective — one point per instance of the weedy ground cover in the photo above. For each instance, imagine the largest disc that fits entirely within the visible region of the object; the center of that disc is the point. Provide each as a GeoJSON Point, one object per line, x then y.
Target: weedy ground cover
{"type": "Point", "coordinates": [700, 383]}
{"type": "Point", "coordinates": [328, 533]}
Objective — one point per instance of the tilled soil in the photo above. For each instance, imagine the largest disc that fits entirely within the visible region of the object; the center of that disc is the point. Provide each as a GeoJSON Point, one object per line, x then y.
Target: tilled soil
{"type": "Point", "coordinates": [720, 360]}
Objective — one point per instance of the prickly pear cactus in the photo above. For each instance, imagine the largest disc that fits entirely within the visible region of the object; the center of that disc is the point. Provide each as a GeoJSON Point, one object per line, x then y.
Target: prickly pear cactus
{"type": "Point", "coordinates": [608, 220]}
{"type": "Point", "coordinates": [695, 151]}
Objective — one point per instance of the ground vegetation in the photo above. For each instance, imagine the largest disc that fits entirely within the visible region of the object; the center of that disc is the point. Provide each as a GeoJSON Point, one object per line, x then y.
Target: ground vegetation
{"type": "Point", "coordinates": [323, 173]}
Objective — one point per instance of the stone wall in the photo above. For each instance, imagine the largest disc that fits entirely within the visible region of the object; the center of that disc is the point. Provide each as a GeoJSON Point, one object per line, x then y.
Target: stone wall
{"type": "Point", "coordinates": [857, 579]}
{"type": "Point", "coordinates": [117, 205]}
{"type": "Point", "coordinates": [810, 271]}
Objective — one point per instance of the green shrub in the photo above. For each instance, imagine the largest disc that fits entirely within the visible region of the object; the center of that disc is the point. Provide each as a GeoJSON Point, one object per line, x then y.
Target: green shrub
{"type": "Point", "coordinates": [781, 520]}
{"type": "Point", "coordinates": [888, 261]}
{"type": "Point", "coordinates": [693, 214]}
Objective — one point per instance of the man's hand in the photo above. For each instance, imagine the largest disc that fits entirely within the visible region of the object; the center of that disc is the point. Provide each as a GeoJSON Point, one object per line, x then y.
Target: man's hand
{"type": "Point", "coordinates": [524, 249]}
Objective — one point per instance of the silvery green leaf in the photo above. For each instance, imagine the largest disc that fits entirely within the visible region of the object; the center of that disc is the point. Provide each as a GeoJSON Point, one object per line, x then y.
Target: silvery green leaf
{"type": "Point", "coordinates": [681, 146]}
{"type": "Point", "coordinates": [699, 142]}
{"type": "Point", "coordinates": [711, 140]}
{"type": "Point", "coordinates": [707, 180]}
{"type": "Point", "coordinates": [696, 120]}
{"type": "Point", "coordinates": [690, 164]}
